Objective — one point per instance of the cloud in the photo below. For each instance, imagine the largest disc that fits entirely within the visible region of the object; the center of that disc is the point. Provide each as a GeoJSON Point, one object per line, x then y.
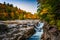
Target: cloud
{"type": "Point", "coordinates": [29, 6]}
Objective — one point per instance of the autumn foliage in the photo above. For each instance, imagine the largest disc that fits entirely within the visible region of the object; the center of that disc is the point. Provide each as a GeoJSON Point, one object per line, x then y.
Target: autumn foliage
{"type": "Point", "coordinates": [49, 11]}
{"type": "Point", "coordinates": [9, 12]}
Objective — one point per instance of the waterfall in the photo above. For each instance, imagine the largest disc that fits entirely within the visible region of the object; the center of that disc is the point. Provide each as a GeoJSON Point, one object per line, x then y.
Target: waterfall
{"type": "Point", "coordinates": [38, 33]}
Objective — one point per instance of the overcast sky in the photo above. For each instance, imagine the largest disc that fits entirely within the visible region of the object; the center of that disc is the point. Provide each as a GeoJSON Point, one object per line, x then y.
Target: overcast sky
{"type": "Point", "coordinates": [27, 5]}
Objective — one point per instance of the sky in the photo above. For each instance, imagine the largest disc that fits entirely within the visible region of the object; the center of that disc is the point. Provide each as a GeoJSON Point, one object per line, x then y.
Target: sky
{"type": "Point", "coordinates": [27, 5]}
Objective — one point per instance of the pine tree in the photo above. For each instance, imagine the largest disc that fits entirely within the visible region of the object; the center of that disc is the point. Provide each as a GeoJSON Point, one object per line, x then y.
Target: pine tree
{"type": "Point", "coordinates": [49, 10]}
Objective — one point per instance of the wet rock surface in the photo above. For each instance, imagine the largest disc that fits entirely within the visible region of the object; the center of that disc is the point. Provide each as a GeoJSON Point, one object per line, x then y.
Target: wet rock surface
{"type": "Point", "coordinates": [16, 33]}
{"type": "Point", "coordinates": [50, 32]}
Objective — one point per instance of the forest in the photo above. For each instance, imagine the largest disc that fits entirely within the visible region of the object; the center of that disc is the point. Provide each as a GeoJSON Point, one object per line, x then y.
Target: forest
{"type": "Point", "coordinates": [49, 11]}
{"type": "Point", "coordinates": [9, 12]}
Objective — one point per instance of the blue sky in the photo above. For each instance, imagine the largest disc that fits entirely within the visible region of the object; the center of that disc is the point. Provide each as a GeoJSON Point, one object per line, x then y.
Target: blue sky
{"type": "Point", "coordinates": [27, 5]}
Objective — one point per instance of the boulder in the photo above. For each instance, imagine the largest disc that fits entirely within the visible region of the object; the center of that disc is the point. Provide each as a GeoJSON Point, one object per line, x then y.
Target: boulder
{"type": "Point", "coordinates": [16, 33]}
{"type": "Point", "coordinates": [50, 32]}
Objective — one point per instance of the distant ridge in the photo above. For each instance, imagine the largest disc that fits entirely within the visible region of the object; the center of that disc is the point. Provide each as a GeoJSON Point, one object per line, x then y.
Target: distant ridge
{"type": "Point", "coordinates": [9, 12]}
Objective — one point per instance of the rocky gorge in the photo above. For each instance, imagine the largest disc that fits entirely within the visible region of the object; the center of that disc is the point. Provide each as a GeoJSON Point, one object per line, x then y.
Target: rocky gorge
{"type": "Point", "coordinates": [50, 32]}
{"type": "Point", "coordinates": [16, 31]}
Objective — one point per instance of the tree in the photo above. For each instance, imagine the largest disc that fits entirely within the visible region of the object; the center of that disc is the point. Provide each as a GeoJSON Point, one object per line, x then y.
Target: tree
{"type": "Point", "coordinates": [7, 4]}
{"type": "Point", "coordinates": [11, 5]}
{"type": "Point", "coordinates": [4, 3]}
{"type": "Point", "coordinates": [49, 11]}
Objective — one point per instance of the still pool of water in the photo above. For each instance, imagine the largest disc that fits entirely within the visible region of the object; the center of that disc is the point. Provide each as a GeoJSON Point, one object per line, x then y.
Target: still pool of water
{"type": "Point", "coordinates": [37, 35]}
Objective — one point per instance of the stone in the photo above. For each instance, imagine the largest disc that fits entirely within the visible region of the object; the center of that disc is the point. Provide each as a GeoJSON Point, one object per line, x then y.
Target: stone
{"type": "Point", "coordinates": [15, 33]}
{"type": "Point", "coordinates": [50, 32]}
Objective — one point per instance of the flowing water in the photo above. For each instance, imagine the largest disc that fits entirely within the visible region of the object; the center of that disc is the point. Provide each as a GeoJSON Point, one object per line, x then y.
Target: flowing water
{"type": "Point", "coordinates": [38, 33]}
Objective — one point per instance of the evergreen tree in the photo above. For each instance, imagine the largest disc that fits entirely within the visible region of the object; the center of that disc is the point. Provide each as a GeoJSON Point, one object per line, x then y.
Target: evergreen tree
{"type": "Point", "coordinates": [4, 3]}
{"type": "Point", "coordinates": [49, 10]}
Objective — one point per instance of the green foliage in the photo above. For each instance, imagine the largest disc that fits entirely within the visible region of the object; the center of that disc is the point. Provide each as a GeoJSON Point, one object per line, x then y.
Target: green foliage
{"type": "Point", "coordinates": [9, 12]}
{"type": "Point", "coordinates": [21, 17]}
{"type": "Point", "coordinates": [52, 14]}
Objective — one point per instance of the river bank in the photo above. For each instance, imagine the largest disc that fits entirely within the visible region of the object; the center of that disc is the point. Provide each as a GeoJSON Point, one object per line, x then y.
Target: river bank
{"type": "Point", "coordinates": [15, 33]}
{"type": "Point", "coordinates": [50, 32]}
{"type": "Point", "coordinates": [28, 29]}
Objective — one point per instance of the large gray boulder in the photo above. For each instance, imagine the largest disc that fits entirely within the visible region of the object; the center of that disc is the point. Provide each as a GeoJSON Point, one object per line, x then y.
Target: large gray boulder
{"type": "Point", "coordinates": [15, 33]}
{"type": "Point", "coordinates": [50, 32]}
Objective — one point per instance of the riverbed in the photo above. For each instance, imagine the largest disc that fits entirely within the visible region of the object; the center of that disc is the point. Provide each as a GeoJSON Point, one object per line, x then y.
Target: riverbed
{"type": "Point", "coordinates": [38, 28]}
{"type": "Point", "coordinates": [39, 32]}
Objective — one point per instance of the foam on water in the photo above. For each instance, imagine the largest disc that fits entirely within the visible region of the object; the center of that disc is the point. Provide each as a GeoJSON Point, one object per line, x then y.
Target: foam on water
{"type": "Point", "coordinates": [38, 33]}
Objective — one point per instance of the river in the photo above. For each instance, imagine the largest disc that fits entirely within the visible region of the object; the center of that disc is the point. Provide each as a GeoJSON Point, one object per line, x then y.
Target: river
{"type": "Point", "coordinates": [38, 33]}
